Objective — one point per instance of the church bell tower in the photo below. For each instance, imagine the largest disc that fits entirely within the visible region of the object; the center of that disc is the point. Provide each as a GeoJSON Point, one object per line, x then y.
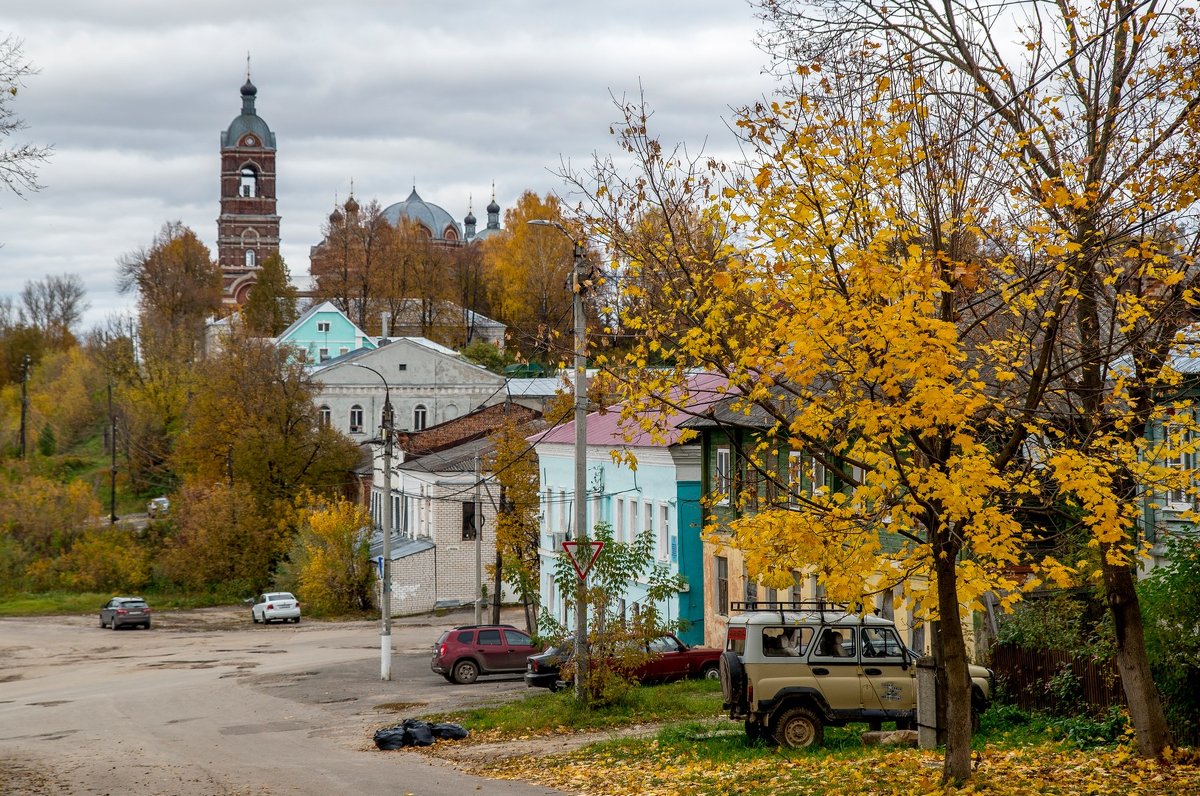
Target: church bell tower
{"type": "Point", "coordinates": [248, 227]}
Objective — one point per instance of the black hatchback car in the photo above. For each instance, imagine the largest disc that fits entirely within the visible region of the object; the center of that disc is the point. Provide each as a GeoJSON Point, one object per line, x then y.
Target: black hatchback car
{"type": "Point", "coordinates": [125, 611]}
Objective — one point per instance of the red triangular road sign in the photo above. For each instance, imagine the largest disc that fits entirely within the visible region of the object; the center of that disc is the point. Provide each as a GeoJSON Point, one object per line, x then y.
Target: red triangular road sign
{"type": "Point", "coordinates": [570, 549]}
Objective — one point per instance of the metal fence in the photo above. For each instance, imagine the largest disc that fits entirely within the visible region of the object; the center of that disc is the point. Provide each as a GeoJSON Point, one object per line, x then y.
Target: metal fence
{"type": "Point", "coordinates": [1055, 680]}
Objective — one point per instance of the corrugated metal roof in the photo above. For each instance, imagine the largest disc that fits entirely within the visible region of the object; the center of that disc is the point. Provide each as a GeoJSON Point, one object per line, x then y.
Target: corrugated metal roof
{"type": "Point", "coordinates": [604, 427]}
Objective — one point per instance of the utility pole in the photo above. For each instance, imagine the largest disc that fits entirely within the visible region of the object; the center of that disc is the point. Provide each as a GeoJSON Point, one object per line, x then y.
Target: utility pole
{"type": "Point", "coordinates": [478, 544]}
{"type": "Point", "coordinates": [24, 401]}
{"type": "Point", "coordinates": [581, 534]}
{"type": "Point", "coordinates": [580, 506]}
{"type": "Point", "coordinates": [385, 634]}
{"type": "Point", "coordinates": [112, 470]}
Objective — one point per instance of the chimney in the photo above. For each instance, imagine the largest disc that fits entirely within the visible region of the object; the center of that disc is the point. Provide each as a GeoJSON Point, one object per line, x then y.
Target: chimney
{"type": "Point", "coordinates": [385, 319]}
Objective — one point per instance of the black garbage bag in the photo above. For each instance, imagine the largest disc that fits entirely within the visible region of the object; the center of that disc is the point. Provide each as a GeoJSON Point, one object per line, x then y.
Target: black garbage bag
{"type": "Point", "coordinates": [391, 737]}
{"type": "Point", "coordinates": [449, 732]}
{"type": "Point", "coordinates": [419, 732]}
{"type": "Point", "coordinates": [415, 732]}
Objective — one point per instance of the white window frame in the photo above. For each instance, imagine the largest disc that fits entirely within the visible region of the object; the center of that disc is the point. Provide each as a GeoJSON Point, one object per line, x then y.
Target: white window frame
{"type": "Point", "coordinates": [1176, 499]}
{"type": "Point", "coordinates": [420, 417]}
{"type": "Point", "coordinates": [619, 530]}
{"type": "Point", "coordinates": [817, 476]}
{"type": "Point", "coordinates": [634, 520]}
{"type": "Point", "coordinates": [722, 474]}
{"type": "Point", "coordinates": [323, 326]}
{"type": "Point", "coordinates": [664, 532]}
{"type": "Point", "coordinates": [356, 419]}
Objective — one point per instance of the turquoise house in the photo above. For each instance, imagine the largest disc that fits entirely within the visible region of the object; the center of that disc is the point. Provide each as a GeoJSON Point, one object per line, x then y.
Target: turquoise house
{"type": "Point", "coordinates": [321, 333]}
{"type": "Point", "coordinates": [661, 495]}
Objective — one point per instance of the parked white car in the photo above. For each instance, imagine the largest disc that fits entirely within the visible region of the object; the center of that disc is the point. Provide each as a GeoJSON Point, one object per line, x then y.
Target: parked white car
{"type": "Point", "coordinates": [274, 605]}
{"type": "Point", "coordinates": [158, 507]}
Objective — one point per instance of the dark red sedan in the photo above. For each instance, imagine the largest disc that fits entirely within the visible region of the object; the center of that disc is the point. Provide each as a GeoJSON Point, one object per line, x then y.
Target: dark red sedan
{"type": "Point", "coordinates": [670, 659]}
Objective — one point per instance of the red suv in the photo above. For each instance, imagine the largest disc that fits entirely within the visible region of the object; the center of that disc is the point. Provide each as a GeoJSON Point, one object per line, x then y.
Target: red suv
{"type": "Point", "coordinates": [462, 654]}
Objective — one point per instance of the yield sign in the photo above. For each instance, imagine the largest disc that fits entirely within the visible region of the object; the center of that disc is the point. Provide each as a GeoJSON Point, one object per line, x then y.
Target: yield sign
{"type": "Point", "coordinates": [570, 548]}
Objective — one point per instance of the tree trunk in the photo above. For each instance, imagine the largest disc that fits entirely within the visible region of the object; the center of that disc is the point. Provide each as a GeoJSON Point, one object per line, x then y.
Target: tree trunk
{"type": "Point", "coordinates": [1145, 707]}
{"type": "Point", "coordinates": [957, 767]}
{"type": "Point", "coordinates": [497, 584]}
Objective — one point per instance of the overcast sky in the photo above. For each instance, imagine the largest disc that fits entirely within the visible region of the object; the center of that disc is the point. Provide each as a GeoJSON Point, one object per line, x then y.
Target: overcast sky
{"type": "Point", "coordinates": [133, 96]}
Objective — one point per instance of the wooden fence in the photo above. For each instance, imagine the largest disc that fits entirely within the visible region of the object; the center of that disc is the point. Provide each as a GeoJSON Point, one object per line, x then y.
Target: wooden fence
{"type": "Point", "coordinates": [1039, 680]}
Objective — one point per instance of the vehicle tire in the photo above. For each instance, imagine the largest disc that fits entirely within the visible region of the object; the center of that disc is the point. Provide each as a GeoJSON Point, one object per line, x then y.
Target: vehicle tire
{"type": "Point", "coordinates": [113, 623]}
{"type": "Point", "coordinates": [147, 625]}
{"type": "Point", "coordinates": [799, 728]}
{"type": "Point", "coordinates": [733, 679]}
{"type": "Point", "coordinates": [465, 672]}
{"type": "Point", "coordinates": [102, 623]}
{"type": "Point", "coordinates": [711, 672]}
{"type": "Point", "coordinates": [296, 620]}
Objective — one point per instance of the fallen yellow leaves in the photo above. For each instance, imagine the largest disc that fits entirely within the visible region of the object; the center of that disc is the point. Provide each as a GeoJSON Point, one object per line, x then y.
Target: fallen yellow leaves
{"type": "Point", "coordinates": [656, 769]}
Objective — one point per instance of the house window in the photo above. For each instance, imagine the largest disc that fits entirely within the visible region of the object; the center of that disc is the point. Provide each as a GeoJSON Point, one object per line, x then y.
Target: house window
{"type": "Point", "coordinates": [322, 354]}
{"type": "Point", "coordinates": [751, 586]}
{"type": "Point", "coordinates": [402, 367]}
{"type": "Point", "coordinates": [249, 186]}
{"type": "Point", "coordinates": [396, 518]}
{"type": "Point", "coordinates": [343, 351]}
{"type": "Point", "coordinates": [722, 591]}
{"type": "Point", "coordinates": [722, 479]}
{"type": "Point", "coordinates": [816, 475]}
{"type": "Point", "coordinates": [468, 522]}
{"type": "Point", "coordinates": [250, 258]}
{"type": "Point", "coordinates": [1175, 437]}
{"type": "Point", "coordinates": [419, 417]}
{"type": "Point", "coordinates": [664, 532]}
{"type": "Point", "coordinates": [325, 417]}
{"type": "Point", "coordinates": [323, 326]}
{"type": "Point", "coordinates": [356, 419]}
{"type": "Point", "coordinates": [563, 517]}
{"type": "Point", "coordinates": [797, 586]}
{"type": "Point", "coordinates": [633, 520]}
{"type": "Point", "coordinates": [619, 531]}
{"type": "Point", "coordinates": [795, 477]}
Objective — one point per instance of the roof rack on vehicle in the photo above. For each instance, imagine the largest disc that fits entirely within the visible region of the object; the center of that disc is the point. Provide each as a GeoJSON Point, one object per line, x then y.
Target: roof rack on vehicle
{"type": "Point", "coordinates": [787, 605]}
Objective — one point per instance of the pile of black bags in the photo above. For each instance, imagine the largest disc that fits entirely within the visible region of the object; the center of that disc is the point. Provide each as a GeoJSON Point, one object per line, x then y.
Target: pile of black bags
{"type": "Point", "coordinates": [414, 732]}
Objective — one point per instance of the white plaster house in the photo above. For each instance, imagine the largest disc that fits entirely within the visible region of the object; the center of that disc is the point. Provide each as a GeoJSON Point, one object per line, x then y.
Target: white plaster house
{"type": "Point", "coordinates": [438, 559]}
{"type": "Point", "coordinates": [428, 383]}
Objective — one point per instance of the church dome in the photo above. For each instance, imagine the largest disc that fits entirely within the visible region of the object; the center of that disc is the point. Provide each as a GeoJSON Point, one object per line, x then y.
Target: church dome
{"type": "Point", "coordinates": [431, 216]}
{"type": "Point", "coordinates": [248, 123]}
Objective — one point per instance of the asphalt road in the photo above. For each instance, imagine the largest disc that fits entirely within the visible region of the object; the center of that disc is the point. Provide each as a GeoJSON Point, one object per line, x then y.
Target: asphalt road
{"type": "Point", "coordinates": [208, 703]}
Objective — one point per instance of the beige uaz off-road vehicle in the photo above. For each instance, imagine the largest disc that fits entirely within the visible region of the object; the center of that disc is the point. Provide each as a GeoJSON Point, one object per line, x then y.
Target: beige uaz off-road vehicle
{"type": "Point", "coordinates": [790, 669]}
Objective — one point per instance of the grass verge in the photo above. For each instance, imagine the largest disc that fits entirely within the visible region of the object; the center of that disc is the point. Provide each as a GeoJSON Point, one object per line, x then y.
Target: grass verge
{"type": "Point", "coordinates": [543, 712]}
{"type": "Point", "coordinates": [698, 752]}
{"type": "Point", "coordinates": [66, 603]}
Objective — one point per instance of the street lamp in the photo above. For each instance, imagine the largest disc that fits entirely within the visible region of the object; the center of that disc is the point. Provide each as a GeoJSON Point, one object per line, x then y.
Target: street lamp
{"type": "Point", "coordinates": [580, 521]}
{"type": "Point", "coordinates": [385, 571]}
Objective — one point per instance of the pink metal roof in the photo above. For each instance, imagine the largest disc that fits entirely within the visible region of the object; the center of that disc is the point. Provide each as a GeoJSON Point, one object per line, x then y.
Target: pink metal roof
{"type": "Point", "coordinates": [605, 428]}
